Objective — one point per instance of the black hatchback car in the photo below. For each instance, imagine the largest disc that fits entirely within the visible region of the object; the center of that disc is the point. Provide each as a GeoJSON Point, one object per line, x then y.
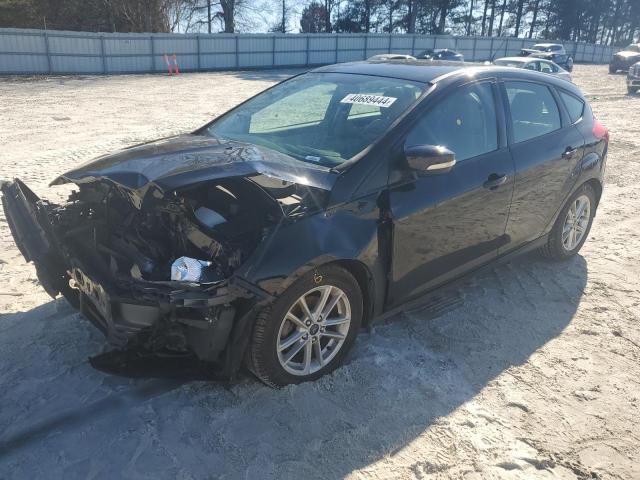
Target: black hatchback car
{"type": "Point", "coordinates": [274, 233]}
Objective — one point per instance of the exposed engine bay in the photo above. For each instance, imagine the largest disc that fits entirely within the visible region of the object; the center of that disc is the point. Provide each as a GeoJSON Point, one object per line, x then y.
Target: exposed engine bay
{"type": "Point", "coordinates": [219, 222]}
{"type": "Point", "coordinates": [111, 256]}
{"type": "Point", "coordinates": [154, 244]}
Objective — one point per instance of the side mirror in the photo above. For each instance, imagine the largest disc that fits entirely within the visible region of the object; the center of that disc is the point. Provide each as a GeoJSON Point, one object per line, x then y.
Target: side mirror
{"type": "Point", "coordinates": [429, 159]}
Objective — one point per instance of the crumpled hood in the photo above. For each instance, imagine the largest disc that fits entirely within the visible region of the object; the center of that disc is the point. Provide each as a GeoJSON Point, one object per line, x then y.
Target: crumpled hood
{"type": "Point", "coordinates": [175, 162]}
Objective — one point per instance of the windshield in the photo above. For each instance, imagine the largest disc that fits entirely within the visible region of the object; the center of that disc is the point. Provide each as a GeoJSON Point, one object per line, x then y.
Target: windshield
{"type": "Point", "coordinates": [322, 118]}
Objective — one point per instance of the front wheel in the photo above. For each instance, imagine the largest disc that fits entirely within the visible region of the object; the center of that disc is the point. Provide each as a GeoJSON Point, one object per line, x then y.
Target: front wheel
{"type": "Point", "coordinates": [572, 225]}
{"type": "Point", "coordinates": [632, 90]}
{"type": "Point", "coordinates": [612, 69]}
{"type": "Point", "coordinates": [308, 330]}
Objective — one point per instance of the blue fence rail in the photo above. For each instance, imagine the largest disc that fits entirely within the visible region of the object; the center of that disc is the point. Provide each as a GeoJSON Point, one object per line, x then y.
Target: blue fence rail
{"type": "Point", "coordinates": [60, 52]}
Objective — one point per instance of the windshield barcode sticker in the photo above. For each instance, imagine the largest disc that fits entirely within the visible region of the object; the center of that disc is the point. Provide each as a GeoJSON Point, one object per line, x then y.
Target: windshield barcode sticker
{"type": "Point", "coordinates": [364, 99]}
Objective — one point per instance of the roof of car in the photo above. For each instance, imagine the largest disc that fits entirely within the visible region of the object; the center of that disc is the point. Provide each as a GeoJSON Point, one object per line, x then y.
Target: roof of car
{"type": "Point", "coordinates": [524, 59]}
{"type": "Point", "coordinates": [428, 71]}
{"type": "Point", "coordinates": [548, 45]}
{"type": "Point", "coordinates": [414, 70]}
{"type": "Point", "coordinates": [517, 59]}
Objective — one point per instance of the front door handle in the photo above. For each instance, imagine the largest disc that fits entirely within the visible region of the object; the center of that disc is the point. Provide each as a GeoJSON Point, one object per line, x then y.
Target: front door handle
{"type": "Point", "coordinates": [569, 152]}
{"type": "Point", "coordinates": [494, 181]}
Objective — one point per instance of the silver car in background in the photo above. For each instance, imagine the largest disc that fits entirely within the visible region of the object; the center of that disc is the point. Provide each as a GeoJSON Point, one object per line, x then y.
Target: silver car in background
{"type": "Point", "coordinates": [536, 64]}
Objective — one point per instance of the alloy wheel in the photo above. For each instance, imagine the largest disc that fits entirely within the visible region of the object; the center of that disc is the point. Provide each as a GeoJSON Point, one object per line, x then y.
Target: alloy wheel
{"type": "Point", "coordinates": [576, 222]}
{"type": "Point", "coordinates": [314, 330]}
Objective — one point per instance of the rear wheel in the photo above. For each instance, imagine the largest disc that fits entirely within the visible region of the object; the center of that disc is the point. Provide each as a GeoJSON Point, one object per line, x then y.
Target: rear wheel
{"type": "Point", "coordinates": [632, 90]}
{"type": "Point", "coordinates": [308, 330]}
{"type": "Point", "coordinates": [572, 225]}
{"type": "Point", "coordinates": [612, 69]}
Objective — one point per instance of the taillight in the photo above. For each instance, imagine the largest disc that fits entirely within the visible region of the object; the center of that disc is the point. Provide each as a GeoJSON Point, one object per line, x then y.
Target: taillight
{"type": "Point", "coordinates": [600, 131]}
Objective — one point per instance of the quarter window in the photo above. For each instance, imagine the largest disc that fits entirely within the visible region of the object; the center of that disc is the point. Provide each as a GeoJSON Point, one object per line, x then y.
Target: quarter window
{"type": "Point", "coordinates": [574, 105]}
{"type": "Point", "coordinates": [534, 111]}
{"type": "Point", "coordinates": [464, 122]}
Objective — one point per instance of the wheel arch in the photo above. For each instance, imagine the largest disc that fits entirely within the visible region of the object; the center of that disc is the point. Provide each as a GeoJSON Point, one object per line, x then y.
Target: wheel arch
{"type": "Point", "coordinates": [366, 283]}
{"type": "Point", "coordinates": [597, 188]}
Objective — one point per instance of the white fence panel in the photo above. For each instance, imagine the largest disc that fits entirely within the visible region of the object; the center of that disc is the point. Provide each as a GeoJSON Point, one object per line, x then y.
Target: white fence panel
{"type": "Point", "coordinates": [39, 52]}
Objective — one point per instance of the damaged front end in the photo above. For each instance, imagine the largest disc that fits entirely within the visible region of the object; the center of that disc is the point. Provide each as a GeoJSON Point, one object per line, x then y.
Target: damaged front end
{"type": "Point", "coordinates": [110, 252]}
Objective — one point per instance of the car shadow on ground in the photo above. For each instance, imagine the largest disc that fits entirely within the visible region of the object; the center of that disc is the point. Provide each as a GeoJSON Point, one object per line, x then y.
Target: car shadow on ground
{"type": "Point", "coordinates": [402, 377]}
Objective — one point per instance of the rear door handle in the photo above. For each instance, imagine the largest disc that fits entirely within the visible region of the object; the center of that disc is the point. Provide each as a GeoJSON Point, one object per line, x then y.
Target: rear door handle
{"type": "Point", "coordinates": [569, 152]}
{"type": "Point", "coordinates": [494, 181]}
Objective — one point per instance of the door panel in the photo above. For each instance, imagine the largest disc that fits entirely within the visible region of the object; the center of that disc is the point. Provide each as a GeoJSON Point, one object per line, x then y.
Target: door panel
{"type": "Point", "coordinates": [447, 224]}
{"type": "Point", "coordinates": [545, 164]}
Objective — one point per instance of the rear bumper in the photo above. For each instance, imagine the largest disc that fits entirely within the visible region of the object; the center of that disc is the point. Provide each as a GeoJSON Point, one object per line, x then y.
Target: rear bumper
{"type": "Point", "coordinates": [198, 317]}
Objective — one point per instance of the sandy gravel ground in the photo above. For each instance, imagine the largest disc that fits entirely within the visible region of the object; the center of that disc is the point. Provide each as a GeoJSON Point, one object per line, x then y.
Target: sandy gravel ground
{"type": "Point", "coordinates": [535, 374]}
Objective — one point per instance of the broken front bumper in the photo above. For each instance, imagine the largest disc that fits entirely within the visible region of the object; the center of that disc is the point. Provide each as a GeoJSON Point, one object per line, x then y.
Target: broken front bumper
{"type": "Point", "coordinates": [199, 316]}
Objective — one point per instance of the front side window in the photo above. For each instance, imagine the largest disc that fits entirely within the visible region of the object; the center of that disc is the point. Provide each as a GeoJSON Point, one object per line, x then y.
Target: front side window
{"type": "Point", "coordinates": [322, 118]}
{"type": "Point", "coordinates": [534, 111]}
{"type": "Point", "coordinates": [464, 122]}
{"type": "Point", "coordinates": [574, 105]}
{"type": "Point", "coordinates": [633, 48]}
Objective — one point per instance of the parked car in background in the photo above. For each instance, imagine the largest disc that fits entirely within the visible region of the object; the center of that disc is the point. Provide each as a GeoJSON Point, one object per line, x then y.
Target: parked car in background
{"type": "Point", "coordinates": [273, 233]}
{"type": "Point", "coordinates": [550, 51]}
{"type": "Point", "coordinates": [441, 54]}
{"type": "Point", "coordinates": [633, 78]}
{"type": "Point", "coordinates": [391, 56]}
{"type": "Point", "coordinates": [624, 59]}
{"type": "Point", "coordinates": [536, 64]}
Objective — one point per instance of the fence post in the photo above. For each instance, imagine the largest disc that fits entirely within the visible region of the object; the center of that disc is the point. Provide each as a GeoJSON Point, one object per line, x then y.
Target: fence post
{"type": "Point", "coordinates": [389, 46]}
{"type": "Point", "coordinates": [273, 50]}
{"type": "Point", "coordinates": [473, 51]}
{"type": "Point", "coordinates": [307, 50]}
{"type": "Point", "coordinates": [46, 47]}
{"type": "Point", "coordinates": [237, 53]}
{"type": "Point", "coordinates": [198, 50]}
{"type": "Point", "coordinates": [102, 54]}
{"type": "Point", "coordinates": [336, 52]}
{"type": "Point", "coordinates": [153, 54]}
{"type": "Point", "coordinates": [366, 45]}
{"type": "Point", "coordinates": [491, 49]}
{"type": "Point", "coordinates": [413, 45]}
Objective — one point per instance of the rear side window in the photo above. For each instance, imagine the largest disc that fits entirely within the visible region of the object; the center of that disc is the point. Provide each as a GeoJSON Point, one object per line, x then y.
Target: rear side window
{"type": "Point", "coordinates": [534, 111]}
{"type": "Point", "coordinates": [574, 105]}
{"type": "Point", "coordinates": [464, 122]}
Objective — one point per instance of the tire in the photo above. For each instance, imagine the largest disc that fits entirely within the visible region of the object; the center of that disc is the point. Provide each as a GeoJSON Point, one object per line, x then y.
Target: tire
{"type": "Point", "coordinates": [268, 351]}
{"type": "Point", "coordinates": [557, 248]}
{"type": "Point", "coordinates": [632, 90]}
{"type": "Point", "coordinates": [612, 69]}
